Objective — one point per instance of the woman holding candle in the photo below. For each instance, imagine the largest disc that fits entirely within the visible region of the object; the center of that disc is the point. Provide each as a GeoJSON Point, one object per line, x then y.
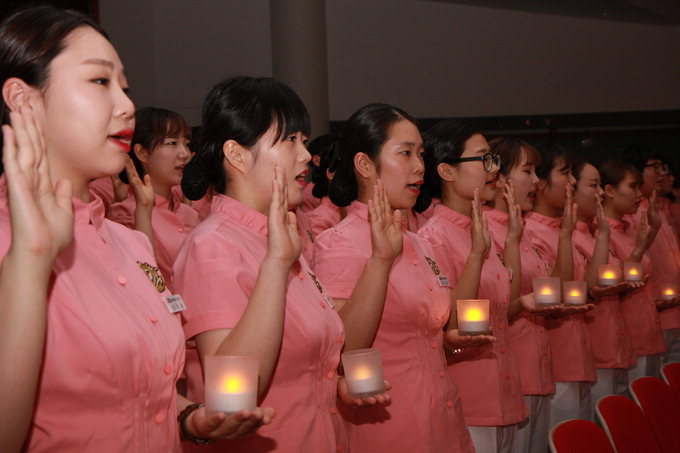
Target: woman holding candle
{"type": "Point", "coordinates": [610, 341]}
{"type": "Point", "coordinates": [92, 365]}
{"type": "Point", "coordinates": [398, 302]}
{"type": "Point", "coordinates": [622, 196]}
{"type": "Point", "coordinates": [550, 226]}
{"type": "Point", "coordinates": [459, 163]}
{"type": "Point", "coordinates": [246, 289]}
{"type": "Point", "coordinates": [160, 149]}
{"type": "Point", "coordinates": [527, 336]}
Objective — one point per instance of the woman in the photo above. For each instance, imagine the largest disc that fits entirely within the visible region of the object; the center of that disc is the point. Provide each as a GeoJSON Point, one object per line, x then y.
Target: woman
{"type": "Point", "coordinates": [246, 290]}
{"type": "Point", "coordinates": [610, 341]}
{"type": "Point", "coordinates": [622, 196]}
{"type": "Point", "coordinates": [396, 298]}
{"type": "Point", "coordinates": [160, 149]}
{"type": "Point", "coordinates": [458, 164]}
{"type": "Point", "coordinates": [100, 355]}
{"type": "Point", "coordinates": [326, 214]}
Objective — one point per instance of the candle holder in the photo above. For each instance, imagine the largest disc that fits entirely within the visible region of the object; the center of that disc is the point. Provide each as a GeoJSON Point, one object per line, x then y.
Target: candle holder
{"type": "Point", "coordinates": [547, 291]}
{"type": "Point", "coordinates": [608, 274]}
{"type": "Point", "coordinates": [473, 316]}
{"type": "Point", "coordinates": [632, 271]}
{"type": "Point", "coordinates": [574, 292]}
{"type": "Point", "coordinates": [669, 291]}
{"type": "Point", "coordinates": [230, 383]}
{"type": "Point", "coordinates": [363, 372]}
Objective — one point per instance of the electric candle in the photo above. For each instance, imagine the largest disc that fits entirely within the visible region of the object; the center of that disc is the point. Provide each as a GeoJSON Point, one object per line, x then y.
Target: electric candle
{"type": "Point", "coordinates": [608, 274]}
{"type": "Point", "coordinates": [575, 292]}
{"type": "Point", "coordinates": [230, 383]}
{"type": "Point", "coordinates": [632, 271]}
{"type": "Point", "coordinates": [473, 316]}
{"type": "Point", "coordinates": [363, 372]}
{"type": "Point", "coordinates": [547, 291]}
{"type": "Point", "coordinates": [669, 291]}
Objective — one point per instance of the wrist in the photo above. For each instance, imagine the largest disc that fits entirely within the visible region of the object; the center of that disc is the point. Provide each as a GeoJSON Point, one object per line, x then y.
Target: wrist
{"type": "Point", "coordinates": [184, 419]}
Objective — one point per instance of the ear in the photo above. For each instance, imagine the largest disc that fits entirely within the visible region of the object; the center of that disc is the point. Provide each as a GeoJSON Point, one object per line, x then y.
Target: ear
{"type": "Point", "coordinates": [542, 184]}
{"type": "Point", "coordinates": [447, 172]}
{"type": "Point", "coordinates": [364, 166]}
{"type": "Point", "coordinates": [237, 156]}
{"type": "Point", "coordinates": [609, 192]}
{"type": "Point", "coordinates": [316, 160]}
{"type": "Point", "coordinates": [141, 153]}
{"type": "Point", "coordinates": [16, 92]}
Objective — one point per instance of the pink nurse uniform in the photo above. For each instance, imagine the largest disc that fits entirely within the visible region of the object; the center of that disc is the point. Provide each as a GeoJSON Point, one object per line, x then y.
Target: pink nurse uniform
{"type": "Point", "coordinates": [215, 272]}
{"type": "Point", "coordinates": [487, 376]}
{"type": "Point", "coordinates": [113, 351]}
{"type": "Point", "coordinates": [425, 413]}
{"type": "Point", "coordinates": [323, 216]}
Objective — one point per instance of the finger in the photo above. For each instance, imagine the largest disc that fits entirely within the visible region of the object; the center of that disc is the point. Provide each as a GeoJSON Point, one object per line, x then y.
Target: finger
{"type": "Point", "coordinates": [31, 132]}
{"type": "Point", "coordinates": [284, 191]}
{"type": "Point", "coordinates": [25, 157]}
{"type": "Point", "coordinates": [9, 149]}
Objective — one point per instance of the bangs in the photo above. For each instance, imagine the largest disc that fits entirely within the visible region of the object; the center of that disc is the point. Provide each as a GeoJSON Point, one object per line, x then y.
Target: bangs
{"type": "Point", "coordinates": [532, 155]}
{"type": "Point", "coordinates": [289, 114]}
{"type": "Point", "coordinates": [177, 126]}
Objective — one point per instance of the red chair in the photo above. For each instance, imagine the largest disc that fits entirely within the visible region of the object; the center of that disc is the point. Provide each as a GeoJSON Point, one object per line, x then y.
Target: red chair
{"type": "Point", "coordinates": [579, 436]}
{"type": "Point", "coordinates": [671, 374]}
{"type": "Point", "coordinates": [626, 425]}
{"type": "Point", "coordinates": [662, 409]}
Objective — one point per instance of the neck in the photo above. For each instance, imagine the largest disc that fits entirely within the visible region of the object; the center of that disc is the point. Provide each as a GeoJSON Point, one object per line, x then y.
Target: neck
{"type": "Point", "coordinates": [543, 208]}
{"type": "Point", "coordinates": [452, 200]}
{"type": "Point", "coordinates": [245, 195]}
{"type": "Point", "coordinates": [164, 191]}
{"type": "Point", "coordinates": [584, 218]}
{"type": "Point", "coordinates": [610, 212]}
{"type": "Point", "coordinates": [500, 203]}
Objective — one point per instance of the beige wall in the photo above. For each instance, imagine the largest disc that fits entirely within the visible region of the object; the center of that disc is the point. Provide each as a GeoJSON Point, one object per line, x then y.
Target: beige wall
{"type": "Point", "coordinates": [431, 58]}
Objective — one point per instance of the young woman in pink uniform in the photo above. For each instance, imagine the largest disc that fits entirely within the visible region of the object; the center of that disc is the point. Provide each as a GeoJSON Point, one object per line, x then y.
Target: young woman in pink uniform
{"type": "Point", "coordinates": [160, 149]}
{"type": "Point", "coordinates": [610, 341]}
{"type": "Point", "coordinates": [91, 367]}
{"type": "Point", "coordinates": [460, 162]}
{"type": "Point", "coordinates": [246, 290]}
{"type": "Point", "coordinates": [622, 196]}
{"type": "Point", "coordinates": [399, 298]}
{"type": "Point", "coordinates": [528, 338]}
{"type": "Point", "coordinates": [551, 226]}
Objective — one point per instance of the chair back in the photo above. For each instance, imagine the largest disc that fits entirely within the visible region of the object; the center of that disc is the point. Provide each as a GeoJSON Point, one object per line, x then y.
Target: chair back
{"type": "Point", "coordinates": [671, 374]}
{"type": "Point", "coordinates": [579, 436]}
{"type": "Point", "coordinates": [662, 409]}
{"type": "Point", "coordinates": [626, 425]}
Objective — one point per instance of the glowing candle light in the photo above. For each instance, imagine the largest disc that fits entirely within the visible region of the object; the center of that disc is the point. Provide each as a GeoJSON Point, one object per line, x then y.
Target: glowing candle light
{"type": "Point", "coordinates": [632, 271]}
{"type": "Point", "coordinates": [230, 383]}
{"type": "Point", "coordinates": [669, 291]}
{"type": "Point", "coordinates": [363, 372]}
{"type": "Point", "coordinates": [547, 291]}
{"type": "Point", "coordinates": [608, 274]}
{"type": "Point", "coordinates": [473, 316]}
{"type": "Point", "coordinates": [575, 292]}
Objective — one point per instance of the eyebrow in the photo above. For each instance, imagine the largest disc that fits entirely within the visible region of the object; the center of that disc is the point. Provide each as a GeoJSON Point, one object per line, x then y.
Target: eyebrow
{"type": "Point", "coordinates": [99, 61]}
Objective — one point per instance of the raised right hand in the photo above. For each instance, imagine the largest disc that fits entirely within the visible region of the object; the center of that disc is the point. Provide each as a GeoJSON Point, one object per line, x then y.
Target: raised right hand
{"type": "Point", "coordinates": [481, 238]}
{"type": "Point", "coordinates": [386, 235]}
{"type": "Point", "coordinates": [283, 238]}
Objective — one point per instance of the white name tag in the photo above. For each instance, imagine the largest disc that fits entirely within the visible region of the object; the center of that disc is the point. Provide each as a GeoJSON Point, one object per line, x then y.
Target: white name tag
{"type": "Point", "coordinates": [174, 303]}
{"type": "Point", "coordinates": [329, 301]}
{"type": "Point", "coordinates": [443, 280]}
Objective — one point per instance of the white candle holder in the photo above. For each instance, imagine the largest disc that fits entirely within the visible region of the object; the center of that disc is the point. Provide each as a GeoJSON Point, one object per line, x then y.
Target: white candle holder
{"type": "Point", "coordinates": [473, 316]}
{"type": "Point", "coordinates": [608, 274]}
{"type": "Point", "coordinates": [547, 291]}
{"type": "Point", "coordinates": [574, 292]}
{"type": "Point", "coordinates": [230, 383]}
{"type": "Point", "coordinates": [669, 291]}
{"type": "Point", "coordinates": [632, 271]}
{"type": "Point", "coordinates": [363, 372]}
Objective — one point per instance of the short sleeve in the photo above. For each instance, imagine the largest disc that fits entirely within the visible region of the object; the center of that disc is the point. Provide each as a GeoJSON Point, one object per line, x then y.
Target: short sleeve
{"type": "Point", "coordinates": [339, 262]}
{"type": "Point", "coordinates": [215, 282]}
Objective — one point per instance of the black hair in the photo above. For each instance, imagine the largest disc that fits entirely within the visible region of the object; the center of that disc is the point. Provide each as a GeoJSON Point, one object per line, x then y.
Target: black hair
{"type": "Point", "coordinates": [444, 142]}
{"type": "Point", "coordinates": [550, 155]}
{"type": "Point", "coordinates": [639, 154]}
{"type": "Point", "coordinates": [511, 150]}
{"type": "Point", "coordinates": [328, 162]}
{"type": "Point", "coordinates": [612, 172]}
{"type": "Point", "coordinates": [366, 131]}
{"type": "Point", "coordinates": [240, 109]}
{"type": "Point", "coordinates": [152, 126]}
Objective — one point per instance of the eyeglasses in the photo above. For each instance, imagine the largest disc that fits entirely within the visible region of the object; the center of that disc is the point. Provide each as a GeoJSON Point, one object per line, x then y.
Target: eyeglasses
{"type": "Point", "coordinates": [488, 159]}
{"type": "Point", "coordinates": [659, 167]}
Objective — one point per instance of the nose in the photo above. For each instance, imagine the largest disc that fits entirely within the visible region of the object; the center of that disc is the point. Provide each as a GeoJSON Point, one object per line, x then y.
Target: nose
{"type": "Point", "coordinates": [572, 180]}
{"type": "Point", "coordinates": [303, 155]}
{"type": "Point", "coordinates": [125, 108]}
{"type": "Point", "coordinates": [419, 165]}
{"type": "Point", "coordinates": [184, 151]}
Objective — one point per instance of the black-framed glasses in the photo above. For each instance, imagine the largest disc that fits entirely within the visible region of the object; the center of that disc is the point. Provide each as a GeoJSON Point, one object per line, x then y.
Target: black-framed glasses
{"type": "Point", "coordinates": [659, 167]}
{"type": "Point", "coordinates": [488, 159]}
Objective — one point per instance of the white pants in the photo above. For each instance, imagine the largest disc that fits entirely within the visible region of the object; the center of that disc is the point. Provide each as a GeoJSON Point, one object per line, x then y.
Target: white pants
{"type": "Point", "coordinates": [672, 337]}
{"type": "Point", "coordinates": [532, 433]}
{"type": "Point", "coordinates": [610, 381]}
{"type": "Point", "coordinates": [647, 365]}
{"type": "Point", "coordinates": [571, 400]}
{"type": "Point", "coordinates": [494, 439]}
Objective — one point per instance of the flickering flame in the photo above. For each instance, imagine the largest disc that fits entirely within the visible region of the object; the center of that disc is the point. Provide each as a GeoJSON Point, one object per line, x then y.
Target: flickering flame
{"type": "Point", "coordinates": [609, 274]}
{"type": "Point", "coordinates": [633, 272]}
{"type": "Point", "coordinates": [575, 293]}
{"type": "Point", "coordinates": [669, 292]}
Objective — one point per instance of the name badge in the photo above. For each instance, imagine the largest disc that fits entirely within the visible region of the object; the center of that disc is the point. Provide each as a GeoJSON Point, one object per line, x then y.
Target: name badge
{"type": "Point", "coordinates": [329, 301]}
{"type": "Point", "coordinates": [174, 303]}
{"type": "Point", "coordinates": [443, 280]}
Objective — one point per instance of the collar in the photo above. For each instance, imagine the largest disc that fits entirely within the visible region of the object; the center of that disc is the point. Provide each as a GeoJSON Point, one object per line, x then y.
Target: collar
{"type": "Point", "coordinates": [620, 225]}
{"type": "Point", "coordinates": [452, 216]}
{"type": "Point", "coordinates": [86, 213]}
{"type": "Point", "coordinates": [238, 212]}
{"type": "Point", "coordinates": [552, 222]}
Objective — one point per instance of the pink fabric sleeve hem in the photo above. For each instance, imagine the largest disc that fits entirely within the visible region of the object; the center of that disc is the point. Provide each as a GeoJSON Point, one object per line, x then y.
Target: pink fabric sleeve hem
{"type": "Point", "coordinates": [211, 320]}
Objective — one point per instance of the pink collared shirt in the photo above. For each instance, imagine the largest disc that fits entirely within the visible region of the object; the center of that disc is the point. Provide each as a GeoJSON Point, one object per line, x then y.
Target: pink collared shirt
{"type": "Point", "coordinates": [309, 201]}
{"type": "Point", "coordinates": [572, 357]}
{"type": "Point", "coordinates": [425, 413]}
{"type": "Point", "coordinates": [489, 381]}
{"type": "Point", "coordinates": [103, 188]}
{"type": "Point", "coordinates": [638, 307]}
{"type": "Point", "coordinates": [113, 351]}
{"type": "Point", "coordinates": [215, 272]}
{"type": "Point", "coordinates": [610, 340]}
{"type": "Point", "coordinates": [170, 227]}
{"type": "Point", "coordinates": [664, 256]}
{"type": "Point", "coordinates": [528, 338]}
{"type": "Point", "coordinates": [323, 216]}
